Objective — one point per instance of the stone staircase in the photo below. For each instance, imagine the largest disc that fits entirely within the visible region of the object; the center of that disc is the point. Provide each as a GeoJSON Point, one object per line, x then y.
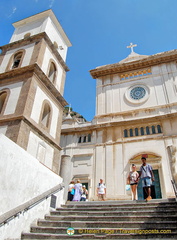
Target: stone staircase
{"type": "Point", "coordinates": [156, 219]}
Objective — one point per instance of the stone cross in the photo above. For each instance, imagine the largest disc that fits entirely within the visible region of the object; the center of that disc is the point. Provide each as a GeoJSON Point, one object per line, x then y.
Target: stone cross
{"type": "Point", "coordinates": [132, 46]}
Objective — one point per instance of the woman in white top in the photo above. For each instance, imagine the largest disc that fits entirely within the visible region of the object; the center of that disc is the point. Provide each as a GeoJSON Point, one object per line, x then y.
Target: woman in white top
{"type": "Point", "coordinates": [133, 181]}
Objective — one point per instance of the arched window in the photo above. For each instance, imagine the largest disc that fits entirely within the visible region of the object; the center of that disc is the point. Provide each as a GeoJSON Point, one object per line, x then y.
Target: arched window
{"type": "Point", "coordinates": [52, 72]}
{"type": "Point", "coordinates": [16, 60]}
{"type": "Point", "coordinates": [84, 139]}
{"type": "Point", "coordinates": [80, 139]}
{"type": "Point", "coordinates": [46, 115]}
{"type": "Point", "coordinates": [136, 132]}
{"type": "Point", "coordinates": [142, 131]}
{"type": "Point", "coordinates": [159, 130]}
{"type": "Point", "coordinates": [3, 96]}
{"type": "Point", "coordinates": [153, 130]}
{"type": "Point", "coordinates": [125, 133]}
{"type": "Point", "coordinates": [147, 131]}
{"type": "Point", "coordinates": [131, 132]}
{"type": "Point", "coordinates": [89, 137]}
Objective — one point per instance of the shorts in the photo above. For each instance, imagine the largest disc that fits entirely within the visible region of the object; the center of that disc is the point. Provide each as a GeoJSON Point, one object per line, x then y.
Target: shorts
{"type": "Point", "coordinates": [133, 183]}
{"type": "Point", "coordinates": [101, 196]}
{"type": "Point", "coordinates": [146, 182]}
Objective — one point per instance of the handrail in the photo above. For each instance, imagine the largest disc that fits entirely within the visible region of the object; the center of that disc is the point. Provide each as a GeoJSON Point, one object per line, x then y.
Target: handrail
{"type": "Point", "coordinates": [174, 187]}
{"type": "Point", "coordinates": [6, 217]}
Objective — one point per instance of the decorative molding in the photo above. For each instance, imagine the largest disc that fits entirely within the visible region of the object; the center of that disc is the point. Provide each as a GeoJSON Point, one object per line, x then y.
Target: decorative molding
{"type": "Point", "coordinates": [152, 60]}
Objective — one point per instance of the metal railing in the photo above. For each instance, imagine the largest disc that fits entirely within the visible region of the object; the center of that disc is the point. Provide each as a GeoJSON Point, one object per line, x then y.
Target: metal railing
{"type": "Point", "coordinates": [174, 187]}
{"type": "Point", "coordinates": [6, 217]}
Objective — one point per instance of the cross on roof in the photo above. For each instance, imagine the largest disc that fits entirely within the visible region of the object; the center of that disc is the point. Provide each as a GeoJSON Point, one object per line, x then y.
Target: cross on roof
{"type": "Point", "coordinates": [132, 46]}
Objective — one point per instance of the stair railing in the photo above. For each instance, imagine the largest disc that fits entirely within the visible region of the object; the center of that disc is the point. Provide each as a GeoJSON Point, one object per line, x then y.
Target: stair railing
{"type": "Point", "coordinates": [6, 217]}
{"type": "Point", "coordinates": [174, 187]}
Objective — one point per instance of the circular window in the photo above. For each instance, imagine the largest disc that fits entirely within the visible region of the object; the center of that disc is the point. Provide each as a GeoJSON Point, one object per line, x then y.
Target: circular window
{"type": "Point", "coordinates": [137, 94]}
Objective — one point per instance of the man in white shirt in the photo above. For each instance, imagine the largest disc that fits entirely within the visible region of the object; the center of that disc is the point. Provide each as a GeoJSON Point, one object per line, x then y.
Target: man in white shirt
{"type": "Point", "coordinates": [101, 190]}
{"type": "Point", "coordinates": [147, 176]}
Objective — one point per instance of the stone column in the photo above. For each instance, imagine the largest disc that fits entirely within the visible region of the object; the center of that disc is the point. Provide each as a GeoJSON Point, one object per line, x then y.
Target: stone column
{"type": "Point", "coordinates": [65, 173]}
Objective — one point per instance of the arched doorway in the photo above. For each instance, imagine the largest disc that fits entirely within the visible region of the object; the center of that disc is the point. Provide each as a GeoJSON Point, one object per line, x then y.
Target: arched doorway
{"type": "Point", "coordinates": [155, 162]}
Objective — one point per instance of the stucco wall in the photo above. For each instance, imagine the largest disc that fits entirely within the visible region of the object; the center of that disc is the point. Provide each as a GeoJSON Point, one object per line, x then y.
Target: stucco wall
{"type": "Point", "coordinates": [22, 177]}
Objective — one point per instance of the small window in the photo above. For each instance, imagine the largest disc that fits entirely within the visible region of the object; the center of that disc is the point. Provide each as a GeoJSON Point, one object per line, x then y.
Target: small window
{"type": "Point", "coordinates": [3, 96]}
{"type": "Point", "coordinates": [153, 130]}
{"type": "Point", "coordinates": [159, 130]}
{"type": "Point", "coordinates": [89, 137]}
{"type": "Point", "coordinates": [85, 139]}
{"type": "Point", "coordinates": [46, 115]}
{"type": "Point", "coordinates": [16, 60]}
{"type": "Point", "coordinates": [142, 131]}
{"type": "Point", "coordinates": [131, 132]}
{"type": "Point", "coordinates": [136, 132]}
{"type": "Point", "coordinates": [80, 139]}
{"type": "Point", "coordinates": [147, 131]}
{"type": "Point", "coordinates": [125, 133]}
{"type": "Point", "coordinates": [52, 72]}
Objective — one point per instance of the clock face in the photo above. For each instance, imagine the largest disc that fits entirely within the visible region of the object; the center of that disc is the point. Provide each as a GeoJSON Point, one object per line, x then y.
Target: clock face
{"type": "Point", "coordinates": [137, 93]}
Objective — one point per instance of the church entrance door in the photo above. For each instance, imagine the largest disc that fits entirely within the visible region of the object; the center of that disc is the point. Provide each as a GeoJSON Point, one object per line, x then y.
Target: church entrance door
{"type": "Point", "coordinates": [155, 188]}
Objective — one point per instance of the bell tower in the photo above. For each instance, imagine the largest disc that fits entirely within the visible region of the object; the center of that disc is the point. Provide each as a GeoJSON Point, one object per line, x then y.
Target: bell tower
{"type": "Point", "coordinates": [32, 78]}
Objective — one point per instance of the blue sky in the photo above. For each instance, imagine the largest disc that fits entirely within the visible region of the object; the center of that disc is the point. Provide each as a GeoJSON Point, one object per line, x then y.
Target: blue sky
{"type": "Point", "coordinates": [99, 31]}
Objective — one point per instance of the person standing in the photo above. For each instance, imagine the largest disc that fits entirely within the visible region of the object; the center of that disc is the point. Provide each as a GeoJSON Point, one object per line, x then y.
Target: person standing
{"type": "Point", "coordinates": [133, 181]}
{"type": "Point", "coordinates": [71, 191]}
{"type": "Point", "coordinates": [147, 176]}
{"type": "Point", "coordinates": [101, 190]}
{"type": "Point", "coordinates": [78, 191]}
{"type": "Point", "coordinates": [84, 193]}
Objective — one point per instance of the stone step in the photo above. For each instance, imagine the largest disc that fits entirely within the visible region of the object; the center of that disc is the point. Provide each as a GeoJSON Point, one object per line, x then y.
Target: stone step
{"type": "Point", "coordinates": [107, 220]}
{"type": "Point", "coordinates": [116, 204]}
{"type": "Point", "coordinates": [98, 231]}
{"type": "Point", "coordinates": [112, 218]}
{"type": "Point", "coordinates": [108, 224]}
{"type": "Point", "coordinates": [127, 208]}
{"type": "Point", "coordinates": [118, 212]}
{"type": "Point", "coordinates": [36, 236]}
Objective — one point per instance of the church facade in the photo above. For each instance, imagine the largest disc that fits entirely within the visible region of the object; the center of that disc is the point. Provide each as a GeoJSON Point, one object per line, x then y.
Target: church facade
{"type": "Point", "coordinates": [136, 115]}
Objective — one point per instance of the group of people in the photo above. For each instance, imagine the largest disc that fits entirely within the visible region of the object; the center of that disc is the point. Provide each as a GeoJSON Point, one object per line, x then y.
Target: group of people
{"type": "Point", "coordinates": [146, 175]}
{"type": "Point", "coordinates": [77, 192]}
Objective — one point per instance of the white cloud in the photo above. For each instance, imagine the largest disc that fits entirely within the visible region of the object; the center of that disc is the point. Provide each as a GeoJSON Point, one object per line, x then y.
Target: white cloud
{"type": "Point", "coordinates": [51, 3]}
{"type": "Point", "coordinates": [13, 11]}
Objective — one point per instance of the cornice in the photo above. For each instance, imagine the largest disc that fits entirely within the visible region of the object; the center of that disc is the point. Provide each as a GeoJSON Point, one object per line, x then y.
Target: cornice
{"type": "Point", "coordinates": [34, 39]}
{"type": "Point", "coordinates": [152, 60]}
{"type": "Point", "coordinates": [30, 71]}
{"type": "Point", "coordinates": [123, 123]}
{"type": "Point", "coordinates": [33, 125]}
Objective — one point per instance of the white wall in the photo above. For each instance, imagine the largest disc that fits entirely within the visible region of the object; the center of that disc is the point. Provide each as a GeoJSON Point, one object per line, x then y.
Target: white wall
{"type": "Point", "coordinates": [39, 26]}
{"type": "Point", "coordinates": [22, 177]}
{"type": "Point", "coordinates": [33, 148]}
{"type": "Point", "coordinates": [111, 97]}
